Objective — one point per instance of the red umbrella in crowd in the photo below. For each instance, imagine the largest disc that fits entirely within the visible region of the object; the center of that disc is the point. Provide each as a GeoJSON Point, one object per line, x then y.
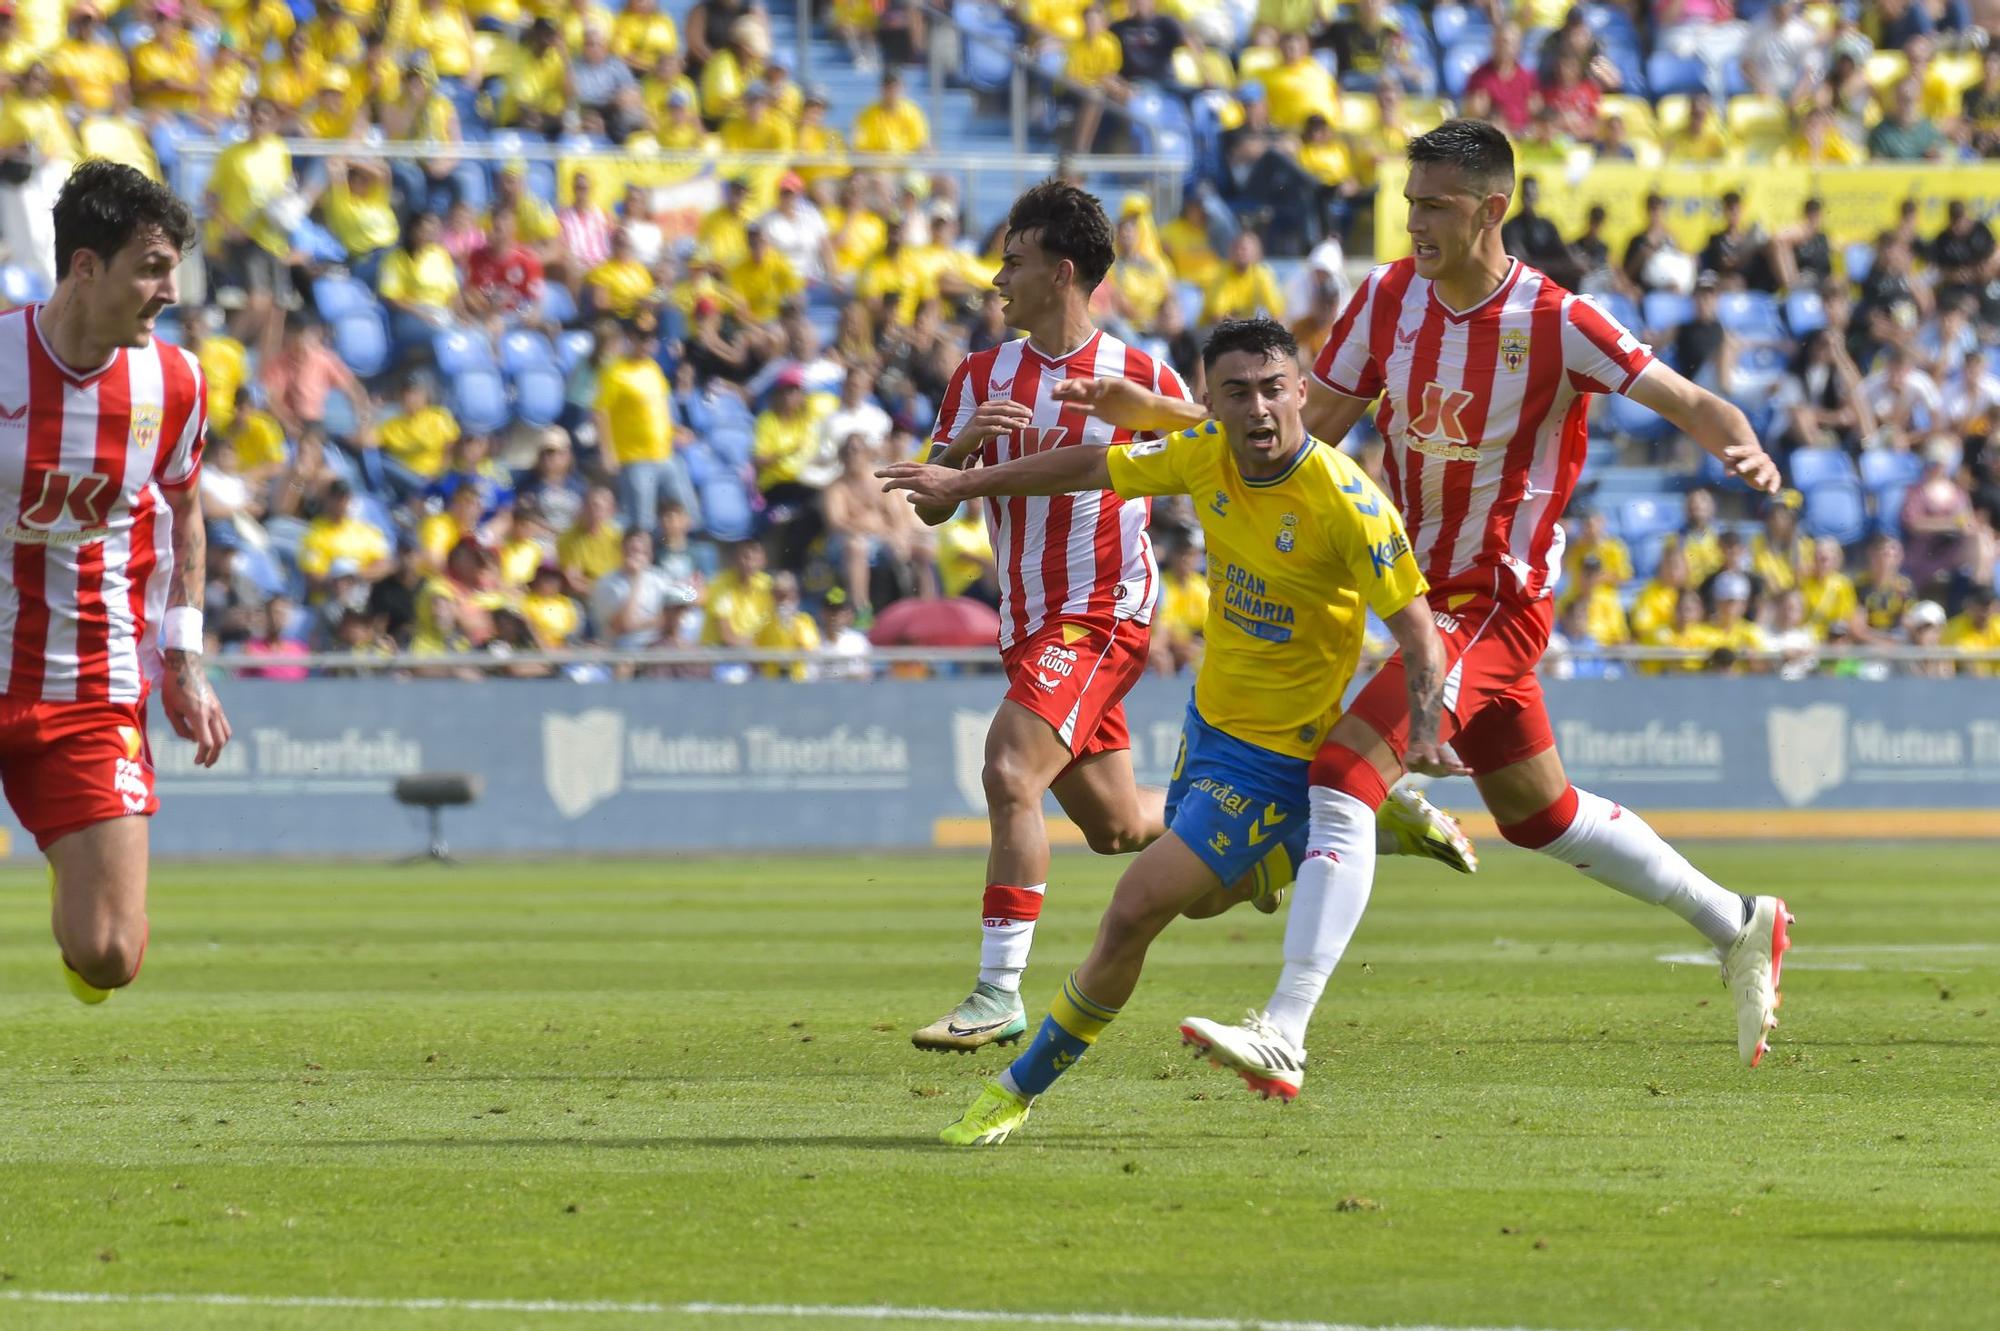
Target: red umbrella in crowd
{"type": "Point", "coordinates": [951, 621]}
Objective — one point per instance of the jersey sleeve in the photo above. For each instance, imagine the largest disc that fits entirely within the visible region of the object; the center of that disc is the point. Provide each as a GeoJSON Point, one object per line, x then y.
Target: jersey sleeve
{"type": "Point", "coordinates": [1600, 354]}
{"type": "Point", "coordinates": [957, 405]}
{"type": "Point", "coordinates": [181, 463]}
{"type": "Point", "coordinates": [1157, 466]}
{"type": "Point", "coordinates": [1368, 534]}
{"type": "Point", "coordinates": [1347, 362]}
{"type": "Point", "coordinates": [1167, 382]}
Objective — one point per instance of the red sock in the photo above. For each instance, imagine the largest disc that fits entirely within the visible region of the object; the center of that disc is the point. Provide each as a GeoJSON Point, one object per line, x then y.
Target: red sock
{"type": "Point", "coordinates": [1338, 767]}
{"type": "Point", "coordinates": [1538, 830]}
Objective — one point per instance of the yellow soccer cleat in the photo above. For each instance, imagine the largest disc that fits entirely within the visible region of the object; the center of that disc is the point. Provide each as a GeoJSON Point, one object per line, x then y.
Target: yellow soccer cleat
{"type": "Point", "coordinates": [83, 990]}
{"type": "Point", "coordinates": [995, 1114]}
{"type": "Point", "coordinates": [1419, 827]}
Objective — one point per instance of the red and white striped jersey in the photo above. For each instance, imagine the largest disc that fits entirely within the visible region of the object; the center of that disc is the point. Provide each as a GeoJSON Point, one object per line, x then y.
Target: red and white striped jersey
{"type": "Point", "coordinates": [1483, 411]}
{"type": "Point", "coordinates": [86, 549]}
{"type": "Point", "coordinates": [1067, 556]}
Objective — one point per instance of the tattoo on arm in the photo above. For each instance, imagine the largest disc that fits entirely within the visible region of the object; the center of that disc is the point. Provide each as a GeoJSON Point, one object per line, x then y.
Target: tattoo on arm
{"type": "Point", "coordinates": [1426, 699]}
{"type": "Point", "coordinates": [190, 580]}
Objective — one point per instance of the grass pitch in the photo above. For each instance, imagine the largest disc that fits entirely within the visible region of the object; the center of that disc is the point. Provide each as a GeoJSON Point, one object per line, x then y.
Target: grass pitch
{"type": "Point", "coordinates": [691, 1081]}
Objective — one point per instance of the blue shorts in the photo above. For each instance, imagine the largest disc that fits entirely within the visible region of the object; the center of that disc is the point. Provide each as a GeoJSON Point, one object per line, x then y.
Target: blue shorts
{"type": "Point", "coordinates": [1233, 802]}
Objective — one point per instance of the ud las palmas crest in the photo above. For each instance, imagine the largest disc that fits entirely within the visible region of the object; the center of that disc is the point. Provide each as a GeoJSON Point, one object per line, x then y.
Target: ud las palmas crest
{"type": "Point", "coordinates": [583, 758]}
{"type": "Point", "coordinates": [1808, 750]}
{"type": "Point", "coordinates": [145, 427]}
{"type": "Point", "coordinates": [1514, 348]}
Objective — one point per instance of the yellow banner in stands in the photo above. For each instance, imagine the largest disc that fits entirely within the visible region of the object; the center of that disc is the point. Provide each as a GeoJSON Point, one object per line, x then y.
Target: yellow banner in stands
{"type": "Point", "coordinates": [1861, 201]}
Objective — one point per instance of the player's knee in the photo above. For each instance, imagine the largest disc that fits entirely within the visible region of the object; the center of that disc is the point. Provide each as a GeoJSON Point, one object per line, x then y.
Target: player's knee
{"type": "Point", "coordinates": [1117, 837]}
{"type": "Point", "coordinates": [1132, 921]}
{"type": "Point", "coordinates": [109, 957]}
{"type": "Point", "coordinates": [1010, 782]}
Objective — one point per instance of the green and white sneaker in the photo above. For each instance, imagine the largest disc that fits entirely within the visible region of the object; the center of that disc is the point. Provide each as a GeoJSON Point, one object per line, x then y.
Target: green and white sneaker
{"type": "Point", "coordinates": [1419, 827]}
{"type": "Point", "coordinates": [989, 1120]}
{"type": "Point", "coordinates": [989, 1015]}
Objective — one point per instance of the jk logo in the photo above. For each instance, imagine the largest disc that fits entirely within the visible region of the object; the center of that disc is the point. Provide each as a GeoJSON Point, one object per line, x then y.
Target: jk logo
{"type": "Point", "coordinates": [1441, 414]}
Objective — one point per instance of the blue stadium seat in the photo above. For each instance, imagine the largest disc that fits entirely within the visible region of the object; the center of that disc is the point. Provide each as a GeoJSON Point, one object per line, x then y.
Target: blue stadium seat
{"type": "Point", "coordinates": [361, 339]}
{"type": "Point", "coordinates": [987, 66]}
{"type": "Point", "coordinates": [725, 510]}
{"type": "Point", "coordinates": [574, 347]}
{"type": "Point", "coordinates": [1667, 310]}
{"type": "Point", "coordinates": [257, 565]}
{"type": "Point", "coordinates": [479, 399]}
{"type": "Point", "coordinates": [1815, 467]}
{"type": "Point", "coordinates": [457, 351]}
{"type": "Point", "coordinates": [1759, 370]}
{"type": "Point", "coordinates": [1751, 315]}
{"type": "Point", "coordinates": [1459, 62]}
{"type": "Point", "coordinates": [1735, 83]}
{"type": "Point", "coordinates": [1805, 313]}
{"type": "Point", "coordinates": [1668, 74]}
{"type": "Point", "coordinates": [1837, 510]}
{"type": "Point", "coordinates": [1610, 22]}
{"type": "Point", "coordinates": [522, 347]}
{"type": "Point", "coordinates": [336, 294]}
{"type": "Point", "coordinates": [1888, 515]}
{"type": "Point", "coordinates": [1191, 298]}
{"type": "Point", "coordinates": [732, 443]}
{"type": "Point", "coordinates": [1882, 468]}
{"type": "Point", "coordinates": [1631, 66]}
{"type": "Point", "coordinates": [703, 469]}
{"type": "Point", "coordinates": [1640, 518]}
{"type": "Point", "coordinates": [19, 286]}
{"type": "Point", "coordinates": [1646, 552]}
{"type": "Point", "coordinates": [1461, 24]}
{"type": "Point", "coordinates": [1627, 417]}
{"type": "Point", "coordinates": [558, 306]}
{"type": "Point", "coordinates": [1860, 260]}
{"type": "Point", "coordinates": [539, 393]}
{"type": "Point", "coordinates": [1620, 307]}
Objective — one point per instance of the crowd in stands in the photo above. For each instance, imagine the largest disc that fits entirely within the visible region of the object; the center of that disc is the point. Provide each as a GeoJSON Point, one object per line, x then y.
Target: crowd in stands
{"type": "Point", "coordinates": [461, 405]}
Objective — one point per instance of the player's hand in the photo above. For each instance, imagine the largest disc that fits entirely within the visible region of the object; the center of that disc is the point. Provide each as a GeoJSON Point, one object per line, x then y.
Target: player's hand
{"type": "Point", "coordinates": [1119, 401]}
{"type": "Point", "coordinates": [192, 707]}
{"type": "Point", "coordinates": [939, 487]}
{"type": "Point", "coordinates": [1431, 758]}
{"type": "Point", "coordinates": [994, 416]}
{"type": "Point", "coordinates": [1754, 465]}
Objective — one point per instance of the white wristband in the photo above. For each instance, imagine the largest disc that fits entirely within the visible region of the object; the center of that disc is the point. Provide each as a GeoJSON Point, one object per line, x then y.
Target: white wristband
{"type": "Point", "coordinates": [181, 630]}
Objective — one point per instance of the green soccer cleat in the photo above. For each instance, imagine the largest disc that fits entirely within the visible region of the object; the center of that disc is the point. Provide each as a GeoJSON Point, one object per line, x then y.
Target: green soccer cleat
{"type": "Point", "coordinates": [995, 1114]}
{"type": "Point", "coordinates": [1420, 827]}
{"type": "Point", "coordinates": [989, 1015]}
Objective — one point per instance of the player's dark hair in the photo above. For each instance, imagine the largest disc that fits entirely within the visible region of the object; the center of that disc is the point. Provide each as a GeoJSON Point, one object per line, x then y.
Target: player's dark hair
{"type": "Point", "coordinates": [1478, 149]}
{"type": "Point", "coordinates": [103, 205]}
{"type": "Point", "coordinates": [1261, 337]}
{"type": "Point", "coordinates": [1070, 224]}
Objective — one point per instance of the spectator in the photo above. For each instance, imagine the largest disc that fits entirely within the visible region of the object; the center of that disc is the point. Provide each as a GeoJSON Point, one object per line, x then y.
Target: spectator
{"type": "Point", "coordinates": [1964, 257]}
{"type": "Point", "coordinates": [1298, 86]}
{"type": "Point", "coordinates": [790, 628]}
{"type": "Point", "coordinates": [1732, 251]}
{"type": "Point", "coordinates": [472, 465]}
{"type": "Point", "coordinates": [1923, 628]}
{"type": "Point", "coordinates": [1779, 555]}
{"type": "Point", "coordinates": [1822, 141]}
{"type": "Point", "coordinates": [593, 545]}
{"type": "Point", "coordinates": [1783, 53]}
{"type": "Point", "coordinates": [416, 442]}
{"type": "Point", "coordinates": [1653, 608]}
{"type": "Point", "coordinates": [1511, 88]}
{"type": "Point", "coordinates": [504, 278]}
{"type": "Point", "coordinates": [740, 600]}
{"type": "Point", "coordinates": [298, 379]}
{"type": "Point", "coordinates": [419, 283]}
{"type": "Point", "coordinates": [765, 279]}
{"type": "Point", "coordinates": [257, 438]}
{"type": "Point", "coordinates": [1820, 401]}
{"type": "Point", "coordinates": [857, 416]}
{"type": "Point", "coordinates": [1147, 40]}
{"type": "Point", "coordinates": [639, 218]}
{"type": "Point", "coordinates": [798, 233]}
{"type": "Point", "coordinates": [871, 535]}
{"type": "Point", "coordinates": [1597, 591]}
{"type": "Point", "coordinates": [1830, 599]}
{"type": "Point", "coordinates": [1937, 515]}
{"type": "Point", "coordinates": [893, 124]}
{"type": "Point", "coordinates": [1092, 63]}
{"type": "Point", "coordinates": [304, 487]}
{"type": "Point", "coordinates": [1703, 349]}
{"type": "Point", "coordinates": [584, 226]}
{"type": "Point", "coordinates": [1790, 636]}
{"type": "Point", "coordinates": [1903, 399]}
{"type": "Point", "coordinates": [461, 234]}
{"type": "Point", "coordinates": [461, 520]}
{"type": "Point", "coordinates": [1689, 632]}
{"type": "Point", "coordinates": [1704, 138]}
{"type": "Point", "coordinates": [1698, 537]}
{"type": "Point", "coordinates": [636, 432]}
{"type": "Point", "coordinates": [252, 193]}
{"type": "Point", "coordinates": [681, 555]}
{"type": "Point", "coordinates": [551, 485]}
{"type": "Point", "coordinates": [1885, 593]}
{"type": "Point", "coordinates": [1246, 287]}
{"type": "Point", "coordinates": [848, 645]}
{"type": "Point", "coordinates": [1979, 111]}
{"type": "Point", "coordinates": [1734, 629]}
{"type": "Point", "coordinates": [1653, 259]}
{"type": "Point", "coordinates": [549, 610]}
{"type": "Point", "coordinates": [628, 603]}
{"type": "Point", "coordinates": [360, 213]}
{"type": "Point", "coordinates": [598, 78]}
{"type": "Point", "coordinates": [787, 435]}
{"type": "Point", "coordinates": [455, 608]}
{"type": "Point", "coordinates": [1975, 629]}
{"type": "Point", "coordinates": [1904, 135]}
{"type": "Point", "coordinates": [620, 286]}
{"type": "Point", "coordinates": [274, 640]}
{"type": "Point", "coordinates": [1360, 40]}
{"type": "Point", "coordinates": [1190, 249]}
{"type": "Point", "coordinates": [1571, 94]}
{"type": "Point", "coordinates": [1534, 240]}
{"type": "Point", "coordinates": [339, 533]}
{"type": "Point", "coordinates": [1800, 257]}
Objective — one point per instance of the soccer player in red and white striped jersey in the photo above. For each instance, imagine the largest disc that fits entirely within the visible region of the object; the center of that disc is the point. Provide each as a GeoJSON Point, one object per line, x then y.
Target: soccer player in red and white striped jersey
{"type": "Point", "coordinates": [102, 559]}
{"type": "Point", "coordinates": [1483, 368]}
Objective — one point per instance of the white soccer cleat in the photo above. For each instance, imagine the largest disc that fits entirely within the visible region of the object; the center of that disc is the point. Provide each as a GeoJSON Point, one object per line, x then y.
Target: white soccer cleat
{"type": "Point", "coordinates": [1420, 827]}
{"type": "Point", "coordinates": [1751, 969]}
{"type": "Point", "coordinates": [1268, 1063]}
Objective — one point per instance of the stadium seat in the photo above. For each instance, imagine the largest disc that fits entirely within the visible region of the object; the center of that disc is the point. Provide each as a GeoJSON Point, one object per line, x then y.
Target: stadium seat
{"type": "Point", "coordinates": [1455, 25]}
{"type": "Point", "coordinates": [1815, 467]}
{"type": "Point", "coordinates": [1610, 23]}
{"type": "Point", "coordinates": [1631, 67]}
{"type": "Point", "coordinates": [1805, 313]}
{"type": "Point", "coordinates": [1359, 113]}
{"type": "Point", "coordinates": [1628, 418]}
{"type": "Point", "coordinates": [1760, 369]}
{"type": "Point", "coordinates": [522, 347]}
{"type": "Point", "coordinates": [1636, 112]}
{"type": "Point", "coordinates": [337, 294]}
{"type": "Point", "coordinates": [539, 393]}
{"type": "Point", "coordinates": [20, 286]}
{"type": "Point", "coordinates": [1667, 310]}
{"type": "Point", "coordinates": [1887, 506]}
{"type": "Point", "coordinates": [702, 467]}
{"type": "Point", "coordinates": [479, 398]}
{"type": "Point", "coordinates": [558, 306]}
{"type": "Point", "coordinates": [574, 347]}
{"type": "Point", "coordinates": [1760, 124]}
{"type": "Point", "coordinates": [1958, 71]}
{"type": "Point", "coordinates": [1885, 69]}
{"type": "Point", "coordinates": [732, 443]}
{"type": "Point", "coordinates": [1620, 307]}
{"type": "Point", "coordinates": [1750, 315]}
{"type": "Point", "coordinates": [1459, 62]}
{"type": "Point", "coordinates": [725, 510]}
{"type": "Point", "coordinates": [1836, 510]}
{"type": "Point", "coordinates": [1860, 259]}
{"type": "Point", "coordinates": [361, 339]}
{"type": "Point", "coordinates": [457, 351]}
{"type": "Point", "coordinates": [1667, 74]}
{"type": "Point", "coordinates": [1671, 114]}
{"type": "Point", "coordinates": [1882, 468]}
{"type": "Point", "coordinates": [1641, 518]}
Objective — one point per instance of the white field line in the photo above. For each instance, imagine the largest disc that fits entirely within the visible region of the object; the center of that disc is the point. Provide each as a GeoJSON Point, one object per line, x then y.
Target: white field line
{"type": "Point", "coordinates": [803, 1311]}
{"type": "Point", "coordinates": [1858, 957]}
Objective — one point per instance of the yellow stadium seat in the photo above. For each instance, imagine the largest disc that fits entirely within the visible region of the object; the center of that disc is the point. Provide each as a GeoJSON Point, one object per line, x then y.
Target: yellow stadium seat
{"type": "Point", "coordinates": [1761, 124]}
{"type": "Point", "coordinates": [1959, 69]}
{"type": "Point", "coordinates": [1636, 112]}
{"type": "Point", "coordinates": [1358, 113]}
{"type": "Point", "coordinates": [1673, 114]}
{"type": "Point", "coordinates": [1885, 69]}
{"type": "Point", "coordinates": [1424, 115]}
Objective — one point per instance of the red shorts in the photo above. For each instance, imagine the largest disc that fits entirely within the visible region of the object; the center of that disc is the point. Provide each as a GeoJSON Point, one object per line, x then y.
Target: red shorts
{"type": "Point", "coordinates": [1075, 674]}
{"type": "Point", "coordinates": [68, 765]}
{"type": "Point", "coordinates": [1493, 712]}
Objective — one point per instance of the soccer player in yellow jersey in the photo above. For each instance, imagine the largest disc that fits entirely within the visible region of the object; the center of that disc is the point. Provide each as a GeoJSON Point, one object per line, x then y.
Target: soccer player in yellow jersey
{"type": "Point", "coordinates": [1301, 544]}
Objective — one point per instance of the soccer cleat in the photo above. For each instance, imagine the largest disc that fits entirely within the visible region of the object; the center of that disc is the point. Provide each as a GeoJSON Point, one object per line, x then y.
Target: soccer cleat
{"type": "Point", "coordinates": [989, 1015]}
{"type": "Point", "coordinates": [1420, 827]}
{"type": "Point", "coordinates": [995, 1114]}
{"type": "Point", "coordinates": [1255, 1051]}
{"type": "Point", "coordinates": [1751, 969]}
{"type": "Point", "coordinates": [83, 990]}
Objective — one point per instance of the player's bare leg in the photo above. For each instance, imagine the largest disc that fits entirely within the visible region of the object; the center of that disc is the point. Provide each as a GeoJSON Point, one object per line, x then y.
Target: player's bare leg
{"type": "Point", "coordinates": [99, 908]}
{"type": "Point", "coordinates": [1536, 807]}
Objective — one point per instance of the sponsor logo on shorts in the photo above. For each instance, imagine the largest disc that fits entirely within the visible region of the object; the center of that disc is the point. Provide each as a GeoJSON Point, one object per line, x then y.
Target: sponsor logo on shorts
{"type": "Point", "coordinates": [128, 778]}
{"type": "Point", "coordinates": [1057, 661]}
{"type": "Point", "coordinates": [1047, 685]}
{"type": "Point", "coordinates": [1448, 623]}
{"type": "Point", "coordinates": [1219, 843]}
{"type": "Point", "coordinates": [1223, 794]}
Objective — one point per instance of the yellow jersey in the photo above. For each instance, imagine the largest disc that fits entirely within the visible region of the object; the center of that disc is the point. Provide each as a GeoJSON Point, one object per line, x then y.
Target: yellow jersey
{"type": "Point", "coordinates": [901, 128]}
{"type": "Point", "coordinates": [638, 410]}
{"type": "Point", "coordinates": [1963, 635]}
{"type": "Point", "coordinates": [420, 441]}
{"type": "Point", "coordinates": [1295, 562]}
{"type": "Point", "coordinates": [1242, 294]}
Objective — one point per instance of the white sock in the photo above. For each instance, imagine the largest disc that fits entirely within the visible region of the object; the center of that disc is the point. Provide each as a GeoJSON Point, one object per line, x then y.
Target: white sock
{"type": "Point", "coordinates": [1007, 932]}
{"type": "Point", "coordinates": [1327, 901]}
{"type": "Point", "coordinates": [1616, 847]}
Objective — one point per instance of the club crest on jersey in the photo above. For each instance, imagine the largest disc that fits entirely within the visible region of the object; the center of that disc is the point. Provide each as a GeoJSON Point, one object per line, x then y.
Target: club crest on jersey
{"type": "Point", "coordinates": [145, 427]}
{"type": "Point", "coordinates": [1288, 532]}
{"type": "Point", "coordinates": [1514, 348]}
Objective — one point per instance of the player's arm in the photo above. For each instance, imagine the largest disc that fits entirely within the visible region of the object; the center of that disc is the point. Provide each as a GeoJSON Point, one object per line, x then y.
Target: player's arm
{"type": "Point", "coordinates": [191, 706]}
{"type": "Point", "coordinates": [1130, 405]}
{"type": "Point", "coordinates": [1711, 421]}
{"type": "Point", "coordinates": [1059, 471]}
{"type": "Point", "coordinates": [1417, 638]}
{"type": "Point", "coordinates": [1329, 416]}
